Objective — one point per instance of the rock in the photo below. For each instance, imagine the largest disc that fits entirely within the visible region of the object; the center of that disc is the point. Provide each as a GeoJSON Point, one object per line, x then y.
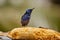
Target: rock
{"type": "Point", "coordinates": [33, 33]}
{"type": "Point", "coordinates": [5, 38]}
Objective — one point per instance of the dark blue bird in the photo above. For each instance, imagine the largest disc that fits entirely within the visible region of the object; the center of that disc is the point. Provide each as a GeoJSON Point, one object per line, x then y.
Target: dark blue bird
{"type": "Point", "coordinates": [26, 17]}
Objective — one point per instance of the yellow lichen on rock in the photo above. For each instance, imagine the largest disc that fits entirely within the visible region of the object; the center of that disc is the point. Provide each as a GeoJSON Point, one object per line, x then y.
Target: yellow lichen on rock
{"type": "Point", "coordinates": [33, 33]}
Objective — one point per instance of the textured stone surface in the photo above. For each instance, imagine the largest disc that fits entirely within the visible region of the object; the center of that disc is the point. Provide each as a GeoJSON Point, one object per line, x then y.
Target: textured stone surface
{"type": "Point", "coordinates": [32, 33]}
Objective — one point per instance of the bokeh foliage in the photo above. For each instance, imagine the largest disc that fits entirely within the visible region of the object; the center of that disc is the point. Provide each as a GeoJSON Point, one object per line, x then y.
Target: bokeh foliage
{"type": "Point", "coordinates": [45, 14]}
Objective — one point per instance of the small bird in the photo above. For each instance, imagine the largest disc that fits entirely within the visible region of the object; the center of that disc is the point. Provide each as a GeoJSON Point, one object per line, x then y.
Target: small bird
{"type": "Point", "coordinates": [26, 17]}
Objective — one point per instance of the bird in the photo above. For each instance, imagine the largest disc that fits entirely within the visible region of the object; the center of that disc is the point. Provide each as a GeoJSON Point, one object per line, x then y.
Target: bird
{"type": "Point", "coordinates": [26, 17]}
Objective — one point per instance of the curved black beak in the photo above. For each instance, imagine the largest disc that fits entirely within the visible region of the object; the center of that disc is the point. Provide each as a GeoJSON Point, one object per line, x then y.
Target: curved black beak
{"type": "Point", "coordinates": [33, 8]}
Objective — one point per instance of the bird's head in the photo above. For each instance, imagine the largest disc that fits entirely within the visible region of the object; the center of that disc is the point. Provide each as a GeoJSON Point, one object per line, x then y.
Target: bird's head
{"type": "Point", "coordinates": [29, 10]}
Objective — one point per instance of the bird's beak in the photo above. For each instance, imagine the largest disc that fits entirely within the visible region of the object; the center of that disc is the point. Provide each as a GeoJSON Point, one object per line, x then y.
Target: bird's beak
{"type": "Point", "coordinates": [33, 8]}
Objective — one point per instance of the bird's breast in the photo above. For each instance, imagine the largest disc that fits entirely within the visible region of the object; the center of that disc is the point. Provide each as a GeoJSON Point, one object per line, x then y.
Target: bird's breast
{"type": "Point", "coordinates": [26, 17]}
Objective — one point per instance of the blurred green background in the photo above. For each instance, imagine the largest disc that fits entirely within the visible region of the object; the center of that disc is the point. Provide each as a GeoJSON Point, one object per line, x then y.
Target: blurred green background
{"type": "Point", "coordinates": [45, 14]}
